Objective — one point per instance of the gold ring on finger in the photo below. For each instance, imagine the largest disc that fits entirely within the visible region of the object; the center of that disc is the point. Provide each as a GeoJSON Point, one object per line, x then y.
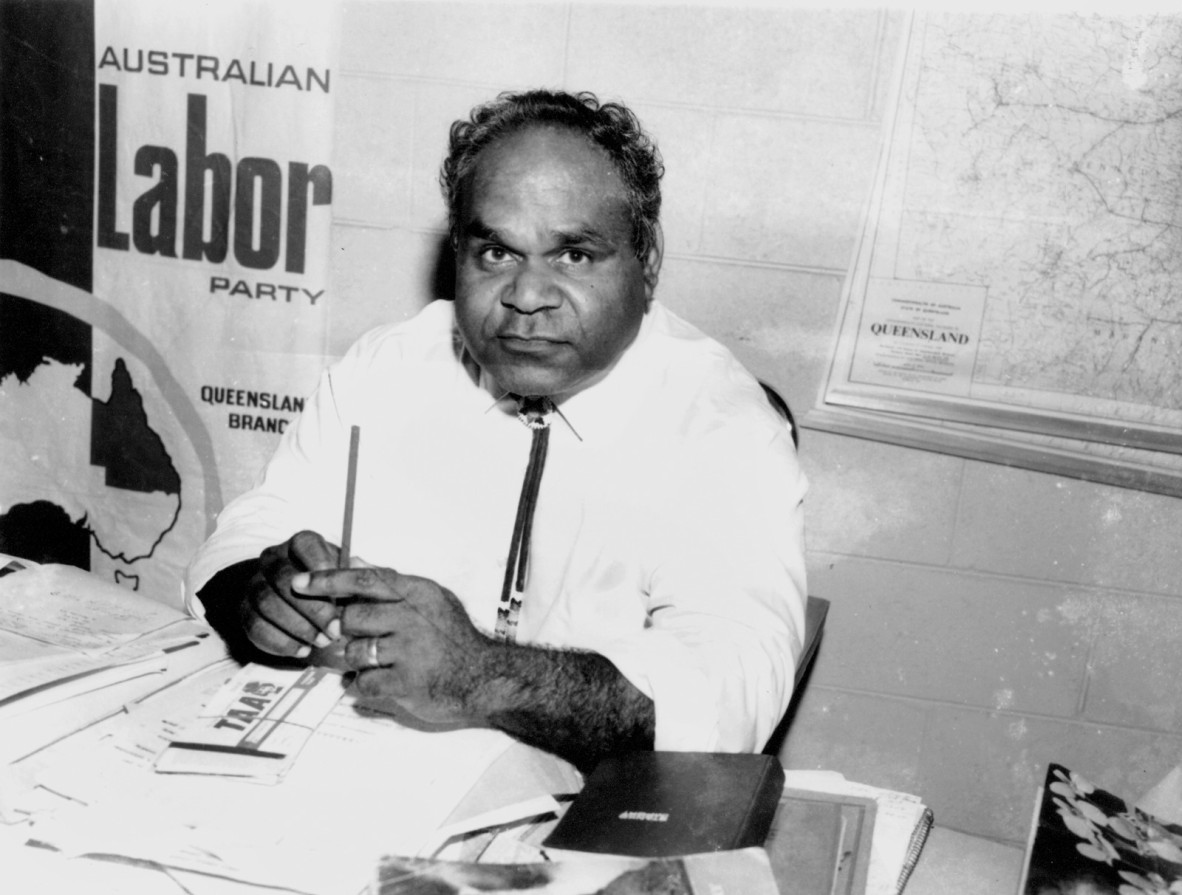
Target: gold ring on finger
{"type": "Point", "coordinates": [371, 653]}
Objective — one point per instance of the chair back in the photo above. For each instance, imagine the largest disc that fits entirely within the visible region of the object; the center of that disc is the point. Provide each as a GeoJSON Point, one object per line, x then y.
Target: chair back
{"type": "Point", "coordinates": [816, 609]}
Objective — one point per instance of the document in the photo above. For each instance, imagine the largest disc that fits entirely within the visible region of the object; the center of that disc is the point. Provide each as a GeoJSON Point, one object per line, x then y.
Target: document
{"type": "Point", "coordinates": [74, 648]}
{"type": "Point", "coordinates": [59, 624]}
{"type": "Point", "coordinates": [364, 786]}
{"type": "Point", "coordinates": [256, 725]}
{"type": "Point", "coordinates": [104, 682]}
{"type": "Point", "coordinates": [68, 607]}
{"type": "Point", "coordinates": [52, 675]}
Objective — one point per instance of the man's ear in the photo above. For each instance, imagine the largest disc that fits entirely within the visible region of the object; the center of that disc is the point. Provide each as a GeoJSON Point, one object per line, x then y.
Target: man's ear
{"type": "Point", "coordinates": [652, 261]}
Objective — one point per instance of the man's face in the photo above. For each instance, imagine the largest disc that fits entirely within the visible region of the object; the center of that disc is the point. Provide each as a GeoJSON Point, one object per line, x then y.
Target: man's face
{"type": "Point", "coordinates": [549, 291]}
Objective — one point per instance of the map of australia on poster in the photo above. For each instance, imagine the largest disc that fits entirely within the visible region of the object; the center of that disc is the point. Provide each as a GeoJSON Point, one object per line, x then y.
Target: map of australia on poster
{"type": "Point", "coordinates": [66, 482]}
{"type": "Point", "coordinates": [93, 461]}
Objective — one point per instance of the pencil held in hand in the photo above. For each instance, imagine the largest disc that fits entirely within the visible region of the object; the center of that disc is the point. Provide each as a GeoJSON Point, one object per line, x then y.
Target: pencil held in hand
{"type": "Point", "coordinates": [350, 488]}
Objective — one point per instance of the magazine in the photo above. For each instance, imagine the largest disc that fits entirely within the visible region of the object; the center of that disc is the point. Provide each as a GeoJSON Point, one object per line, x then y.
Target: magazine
{"type": "Point", "coordinates": [744, 871]}
{"type": "Point", "coordinates": [1084, 839]}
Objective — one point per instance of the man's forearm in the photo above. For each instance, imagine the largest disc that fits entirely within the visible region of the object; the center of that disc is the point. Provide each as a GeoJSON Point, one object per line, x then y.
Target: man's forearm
{"type": "Point", "coordinates": [575, 704]}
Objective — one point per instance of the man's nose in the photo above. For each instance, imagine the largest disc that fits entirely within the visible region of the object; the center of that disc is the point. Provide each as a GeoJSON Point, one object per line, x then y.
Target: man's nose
{"type": "Point", "coordinates": [533, 288]}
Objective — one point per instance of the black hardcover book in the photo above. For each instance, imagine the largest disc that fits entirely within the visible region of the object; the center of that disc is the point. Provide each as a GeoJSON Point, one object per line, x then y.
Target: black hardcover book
{"type": "Point", "coordinates": [661, 804]}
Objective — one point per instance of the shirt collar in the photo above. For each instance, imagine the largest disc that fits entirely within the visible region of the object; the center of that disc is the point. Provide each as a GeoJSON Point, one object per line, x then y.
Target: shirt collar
{"type": "Point", "coordinates": [601, 410]}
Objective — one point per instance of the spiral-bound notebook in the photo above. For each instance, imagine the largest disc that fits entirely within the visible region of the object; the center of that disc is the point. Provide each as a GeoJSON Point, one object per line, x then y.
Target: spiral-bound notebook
{"type": "Point", "coordinates": [901, 825]}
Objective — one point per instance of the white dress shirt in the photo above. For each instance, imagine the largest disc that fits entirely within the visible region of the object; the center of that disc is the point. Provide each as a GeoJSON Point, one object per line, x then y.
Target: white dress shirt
{"type": "Point", "coordinates": [668, 535]}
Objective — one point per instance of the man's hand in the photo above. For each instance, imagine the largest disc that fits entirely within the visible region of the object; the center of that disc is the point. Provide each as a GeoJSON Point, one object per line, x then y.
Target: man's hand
{"type": "Point", "coordinates": [413, 645]}
{"type": "Point", "coordinates": [409, 639]}
{"type": "Point", "coordinates": [252, 605]}
{"type": "Point", "coordinates": [277, 618]}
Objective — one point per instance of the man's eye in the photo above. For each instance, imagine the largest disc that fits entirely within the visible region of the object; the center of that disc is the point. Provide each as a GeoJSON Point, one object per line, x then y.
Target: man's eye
{"type": "Point", "coordinates": [576, 256]}
{"type": "Point", "coordinates": [493, 255]}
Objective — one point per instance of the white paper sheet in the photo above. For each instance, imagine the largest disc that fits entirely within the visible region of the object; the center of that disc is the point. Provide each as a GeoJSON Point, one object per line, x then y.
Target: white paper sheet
{"type": "Point", "coordinates": [256, 725]}
{"type": "Point", "coordinates": [66, 606]}
{"type": "Point", "coordinates": [364, 786]}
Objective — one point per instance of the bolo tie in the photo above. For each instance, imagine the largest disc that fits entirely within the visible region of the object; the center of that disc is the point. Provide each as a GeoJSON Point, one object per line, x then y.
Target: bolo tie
{"type": "Point", "coordinates": [534, 413]}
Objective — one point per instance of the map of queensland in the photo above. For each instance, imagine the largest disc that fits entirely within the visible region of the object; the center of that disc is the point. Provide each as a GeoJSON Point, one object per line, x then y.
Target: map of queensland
{"type": "Point", "coordinates": [1022, 256]}
{"type": "Point", "coordinates": [1054, 178]}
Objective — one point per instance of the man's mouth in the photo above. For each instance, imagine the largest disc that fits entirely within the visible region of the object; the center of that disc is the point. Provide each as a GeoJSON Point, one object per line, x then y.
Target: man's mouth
{"type": "Point", "coordinates": [527, 342]}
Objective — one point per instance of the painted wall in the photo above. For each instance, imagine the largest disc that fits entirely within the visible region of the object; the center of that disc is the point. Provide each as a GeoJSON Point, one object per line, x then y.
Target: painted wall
{"type": "Point", "coordinates": [984, 620]}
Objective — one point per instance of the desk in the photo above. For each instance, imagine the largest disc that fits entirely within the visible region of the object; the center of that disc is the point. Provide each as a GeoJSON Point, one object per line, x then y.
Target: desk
{"type": "Point", "coordinates": [114, 774]}
{"type": "Point", "coordinates": [951, 862]}
{"type": "Point", "coordinates": [967, 865]}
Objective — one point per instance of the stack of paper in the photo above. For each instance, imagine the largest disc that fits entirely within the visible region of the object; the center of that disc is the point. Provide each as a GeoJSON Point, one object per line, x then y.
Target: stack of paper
{"type": "Point", "coordinates": [363, 786]}
{"type": "Point", "coordinates": [129, 733]}
{"type": "Point", "coordinates": [75, 648]}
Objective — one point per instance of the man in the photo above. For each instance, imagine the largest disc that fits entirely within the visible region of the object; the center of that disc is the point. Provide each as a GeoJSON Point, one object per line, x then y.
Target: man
{"type": "Point", "coordinates": [653, 590]}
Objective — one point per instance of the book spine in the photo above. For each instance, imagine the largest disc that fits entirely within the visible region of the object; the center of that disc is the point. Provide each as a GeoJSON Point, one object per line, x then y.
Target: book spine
{"type": "Point", "coordinates": [762, 809]}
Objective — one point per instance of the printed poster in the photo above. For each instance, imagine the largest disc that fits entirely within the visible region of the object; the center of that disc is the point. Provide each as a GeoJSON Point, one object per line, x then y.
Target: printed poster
{"type": "Point", "coordinates": [166, 201]}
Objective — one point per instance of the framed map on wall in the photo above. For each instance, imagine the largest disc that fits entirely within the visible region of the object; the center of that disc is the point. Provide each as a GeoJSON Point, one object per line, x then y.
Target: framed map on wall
{"type": "Point", "coordinates": [1016, 292]}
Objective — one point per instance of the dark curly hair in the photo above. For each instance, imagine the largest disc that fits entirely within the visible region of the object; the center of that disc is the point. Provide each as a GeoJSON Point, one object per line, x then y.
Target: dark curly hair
{"type": "Point", "coordinates": [611, 126]}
